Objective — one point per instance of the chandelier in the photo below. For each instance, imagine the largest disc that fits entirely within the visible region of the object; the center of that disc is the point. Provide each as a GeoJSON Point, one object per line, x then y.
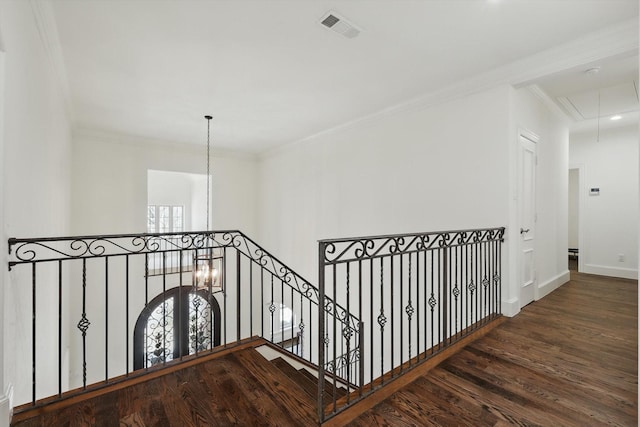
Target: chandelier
{"type": "Point", "coordinates": [208, 261]}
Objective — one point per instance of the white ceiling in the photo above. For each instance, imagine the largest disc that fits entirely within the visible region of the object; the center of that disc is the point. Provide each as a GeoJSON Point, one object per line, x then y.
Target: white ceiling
{"type": "Point", "coordinates": [270, 74]}
{"type": "Point", "coordinates": [593, 93]}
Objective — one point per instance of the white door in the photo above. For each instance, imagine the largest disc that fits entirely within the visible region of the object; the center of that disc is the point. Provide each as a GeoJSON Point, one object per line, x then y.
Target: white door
{"type": "Point", "coordinates": [527, 209]}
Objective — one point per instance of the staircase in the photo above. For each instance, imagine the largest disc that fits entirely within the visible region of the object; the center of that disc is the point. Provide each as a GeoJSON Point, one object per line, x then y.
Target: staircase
{"type": "Point", "coordinates": [234, 387]}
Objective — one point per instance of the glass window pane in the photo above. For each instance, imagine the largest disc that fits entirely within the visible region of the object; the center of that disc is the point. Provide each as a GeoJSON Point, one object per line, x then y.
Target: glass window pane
{"type": "Point", "coordinates": [286, 317]}
{"type": "Point", "coordinates": [199, 324]}
{"type": "Point", "coordinates": [163, 219]}
{"type": "Point", "coordinates": [177, 218]}
{"type": "Point", "coordinates": [159, 334]}
{"type": "Point", "coordinates": [151, 219]}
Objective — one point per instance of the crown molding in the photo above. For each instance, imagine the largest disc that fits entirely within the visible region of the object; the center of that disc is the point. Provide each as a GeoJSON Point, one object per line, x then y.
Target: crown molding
{"type": "Point", "coordinates": [46, 24]}
{"type": "Point", "coordinates": [548, 102]}
{"type": "Point", "coordinates": [614, 41]}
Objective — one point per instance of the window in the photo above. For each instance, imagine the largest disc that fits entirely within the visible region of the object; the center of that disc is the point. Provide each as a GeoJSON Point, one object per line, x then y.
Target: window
{"type": "Point", "coordinates": [165, 219]}
{"type": "Point", "coordinates": [180, 322]}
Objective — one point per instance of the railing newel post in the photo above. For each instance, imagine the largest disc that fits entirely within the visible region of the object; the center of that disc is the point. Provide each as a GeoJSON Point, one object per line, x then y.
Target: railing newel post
{"type": "Point", "coordinates": [321, 331]}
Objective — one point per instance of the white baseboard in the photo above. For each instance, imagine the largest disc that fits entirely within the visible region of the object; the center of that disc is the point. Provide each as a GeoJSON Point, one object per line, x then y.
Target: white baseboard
{"type": "Point", "coordinates": [603, 270]}
{"type": "Point", "coordinates": [552, 284]}
{"type": "Point", "coordinates": [6, 407]}
{"type": "Point", "coordinates": [510, 307]}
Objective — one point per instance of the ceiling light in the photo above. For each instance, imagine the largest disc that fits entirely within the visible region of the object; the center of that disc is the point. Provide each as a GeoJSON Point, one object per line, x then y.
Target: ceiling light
{"type": "Point", "coordinates": [616, 117]}
{"type": "Point", "coordinates": [207, 263]}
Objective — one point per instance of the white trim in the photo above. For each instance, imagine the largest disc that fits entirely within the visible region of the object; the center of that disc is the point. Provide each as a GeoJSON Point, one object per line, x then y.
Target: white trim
{"type": "Point", "coordinates": [582, 239]}
{"type": "Point", "coordinates": [48, 30]}
{"type": "Point", "coordinates": [552, 284]}
{"type": "Point", "coordinates": [548, 102]}
{"type": "Point", "coordinates": [527, 134]}
{"type": "Point", "coordinates": [6, 407]}
{"type": "Point", "coordinates": [604, 270]}
{"type": "Point", "coordinates": [510, 307]}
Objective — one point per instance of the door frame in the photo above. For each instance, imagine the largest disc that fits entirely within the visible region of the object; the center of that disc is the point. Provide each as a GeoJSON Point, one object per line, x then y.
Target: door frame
{"type": "Point", "coordinates": [581, 202]}
{"type": "Point", "coordinates": [535, 138]}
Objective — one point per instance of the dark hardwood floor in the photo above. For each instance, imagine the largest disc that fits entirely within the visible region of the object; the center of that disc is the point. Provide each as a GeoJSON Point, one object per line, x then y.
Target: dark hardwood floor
{"type": "Point", "coordinates": [569, 359]}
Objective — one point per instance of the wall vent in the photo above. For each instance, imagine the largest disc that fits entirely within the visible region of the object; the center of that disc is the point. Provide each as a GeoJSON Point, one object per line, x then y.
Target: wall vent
{"type": "Point", "coordinates": [337, 23]}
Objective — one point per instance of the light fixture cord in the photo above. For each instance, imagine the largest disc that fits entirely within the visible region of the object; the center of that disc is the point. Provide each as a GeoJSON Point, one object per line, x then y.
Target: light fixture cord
{"type": "Point", "coordinates": [208, 167]}
{"type": "Point", "coordinates": [598, 137]}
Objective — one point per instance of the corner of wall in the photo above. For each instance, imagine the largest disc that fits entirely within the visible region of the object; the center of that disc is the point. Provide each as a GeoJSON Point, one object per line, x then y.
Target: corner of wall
{"type": "Point", "coordinates": [511, 307]}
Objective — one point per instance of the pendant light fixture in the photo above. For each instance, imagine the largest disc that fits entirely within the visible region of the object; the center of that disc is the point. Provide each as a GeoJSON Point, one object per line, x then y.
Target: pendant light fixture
{"type": "Point", "coordinates": [208, 262]}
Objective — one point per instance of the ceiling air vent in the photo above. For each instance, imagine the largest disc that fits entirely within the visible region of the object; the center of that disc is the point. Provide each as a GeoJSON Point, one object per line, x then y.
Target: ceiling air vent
{"type": "Point", "coordinates": [340, 25]}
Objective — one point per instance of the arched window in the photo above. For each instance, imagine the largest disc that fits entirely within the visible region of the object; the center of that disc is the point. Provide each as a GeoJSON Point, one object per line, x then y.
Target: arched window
{"type": "Point", "coordinates": [179, 322]}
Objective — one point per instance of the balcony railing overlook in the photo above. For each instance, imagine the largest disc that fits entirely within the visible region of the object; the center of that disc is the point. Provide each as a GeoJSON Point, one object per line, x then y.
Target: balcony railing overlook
{"type": "Point", "coordinates": [101, 309]}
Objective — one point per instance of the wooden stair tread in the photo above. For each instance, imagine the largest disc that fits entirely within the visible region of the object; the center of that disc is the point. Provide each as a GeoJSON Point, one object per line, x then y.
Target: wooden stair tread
{"type": "Point", "coordinates": [328, 385]}
{"type": "Point", "coordinates": [302, 380]}
{"type": "Point", "coordinates": [286, 393]}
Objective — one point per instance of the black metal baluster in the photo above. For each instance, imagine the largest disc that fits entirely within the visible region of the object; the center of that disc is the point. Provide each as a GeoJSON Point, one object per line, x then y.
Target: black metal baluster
{"type": "Point", "coordinates": [347, 332]}
{"type": "Point", "coordinates": [401, 319]}
{"type": "Point", "coordinates": [238, 305]}
{"type": "Point", "coordinates": [251, 262]}
{"type": "Point", "coordinates": [392, 318]}
{"type": "Point", "coordinates": [499, 281]}
{"type": "Point", "coordinates": [371, 322]}
{"type": "Point", "coordinates": [293, 319]}
{"type": "Point", "coordinates": [224, 293]}
{"type": "Point", "coordinates": [334, 336]}
{"type": "Point", "coordinates": [360, 331]}
{"type": "Point", "coordinates": [59, 328]}
{"type": "Point", "coordinates": [280, 313]}
{"type": "Point", "coordinates": [179, 346]}
{"type": "Point", "coordinates": [456, 290]}
{"type": "Point", "coordinates": [478, 280]}
{"type": "Point", "coordinates": [418, 306]}
{"type": "Point", "coordinates": [146, 281]}
{"type": "Point", "coordinates": [106, 319]}
{"type": "Point", "coordinates": [300, 347]}
{"type": "Point", "coordinates": [446, 312]}
{"type": "Point", "coordinates": [262, 302]}
{"type": "Point", "coordinates": [424, 296]}
{"type": "Point", "coordinates": [483, 290]}
{"type": "Point", "coordinates": [126, 309]}
{"type": "Point", "coordinates": [382, 320]}
{"type": "Point", "coordinates": [83, 324]}
{"type": "Point", "coordinates": [272, 308]}
{"type": "Point", "coordinates": [321, 330]}
{"type": "Point", "coordinates": [164, 309]}
{"type": "Point", "coordinates": [310, 329]}
{"type": "Point", "coordinates": [432, 303]}
{"type": "Point", "coordinates": [33, 332]}
{"type": "Point", "coordinates": [409, 311]}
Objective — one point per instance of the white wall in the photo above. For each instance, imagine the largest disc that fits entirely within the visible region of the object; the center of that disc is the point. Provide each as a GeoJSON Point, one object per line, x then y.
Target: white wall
{"type": "Point", "coordinates": [179, 189]}
{"type": "Point", "coordinates": [609, 221]}
{"type": "Point", "coordinates": [438, 168]}
{"type": "Point", "coordinates": [36, 165]}
{"type": "Point", "coordinates": [110, 183]}
{"type": "Point", "coordinates": [551, 266]}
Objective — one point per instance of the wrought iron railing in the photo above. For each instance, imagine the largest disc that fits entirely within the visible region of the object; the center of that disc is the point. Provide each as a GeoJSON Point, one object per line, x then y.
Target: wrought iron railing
{"type": "Point", "coordinates": [414, 294]}
{"type": "Point", "coordinates": [94, 313]}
